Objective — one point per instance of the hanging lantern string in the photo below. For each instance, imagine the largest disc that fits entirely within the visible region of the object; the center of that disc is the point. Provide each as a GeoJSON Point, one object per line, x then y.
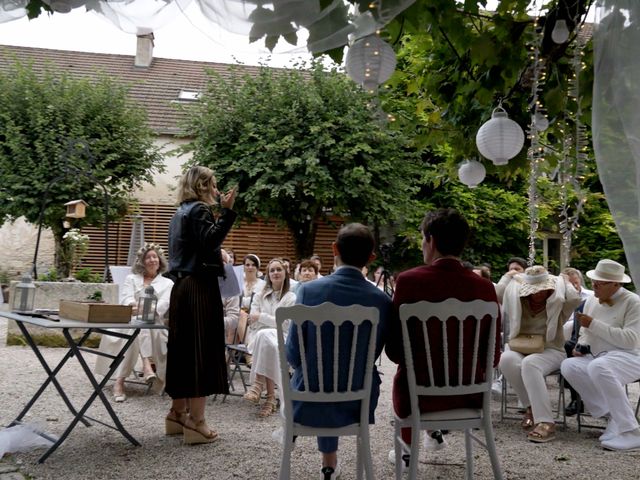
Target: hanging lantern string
{"type": "Point", "coordinates": [535, 154]}
{"type": "Point", "coordinates": [574, 167]}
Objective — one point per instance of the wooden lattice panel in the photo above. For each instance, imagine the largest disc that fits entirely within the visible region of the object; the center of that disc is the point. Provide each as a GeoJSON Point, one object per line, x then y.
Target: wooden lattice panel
{"type": "Point", "coordinates": [266, 239]}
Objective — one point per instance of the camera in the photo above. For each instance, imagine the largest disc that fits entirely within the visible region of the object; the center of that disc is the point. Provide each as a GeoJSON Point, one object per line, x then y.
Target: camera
{"type": "Point", "coordinates": [583, 349]}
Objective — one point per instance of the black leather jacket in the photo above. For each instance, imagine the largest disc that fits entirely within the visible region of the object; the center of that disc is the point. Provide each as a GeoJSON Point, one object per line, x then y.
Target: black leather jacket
{"type": "Point", "coordinates": [195, 239]}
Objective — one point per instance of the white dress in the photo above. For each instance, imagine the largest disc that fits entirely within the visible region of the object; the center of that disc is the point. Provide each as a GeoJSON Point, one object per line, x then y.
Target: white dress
{"type": "Point", "coordinates": [263, 343]}
{"type": "Point", "coordinates": [248, 296]}
{"type": "Point", "coordinates": [149, 343]}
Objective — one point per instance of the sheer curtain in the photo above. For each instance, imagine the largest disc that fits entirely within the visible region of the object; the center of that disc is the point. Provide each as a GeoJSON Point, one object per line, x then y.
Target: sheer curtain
{"type": "Point", "coordinates": [329, 27]}
{"type": "Point", "coordinates": [616, 118]}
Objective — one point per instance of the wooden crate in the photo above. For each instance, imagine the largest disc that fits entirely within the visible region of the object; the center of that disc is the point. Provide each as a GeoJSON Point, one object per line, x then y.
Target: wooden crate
{"type": "Point", "coordinates": [93, 312]}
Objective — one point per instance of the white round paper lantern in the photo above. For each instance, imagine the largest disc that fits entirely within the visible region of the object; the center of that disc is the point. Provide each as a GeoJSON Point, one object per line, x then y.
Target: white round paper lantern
{"type": "Point", "coordinates": [540, 122]}
{"type": "Point", "coordinates": [471, 173]}
{"type": "Point", "coordinates": [560, 32]}
{"type": "Point", "coordinates": [500, 139]}
{"type": "Point", "coordinates": [370, 61]}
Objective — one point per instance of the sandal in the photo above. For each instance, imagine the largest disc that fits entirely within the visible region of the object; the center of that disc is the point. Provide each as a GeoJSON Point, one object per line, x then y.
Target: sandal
{"type": "Point", "coordinates": [254, 393]}
{"type": "Point", "coordinates": [197, 432]}
{"type": "Point", "coordinates": [527, 420]}
{"type": "Point", "coordinates": [174, 422]}
{"type": "Point", "coordinates": [269, 407]}
{"type": "Point", "coordinates": [543, 433]}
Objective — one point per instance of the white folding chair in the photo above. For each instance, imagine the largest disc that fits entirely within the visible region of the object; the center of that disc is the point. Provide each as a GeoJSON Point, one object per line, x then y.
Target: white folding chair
{"type": "Point", "coordinates": [364, 321]}
{"type": "Point", "coordinates": [464, 373]}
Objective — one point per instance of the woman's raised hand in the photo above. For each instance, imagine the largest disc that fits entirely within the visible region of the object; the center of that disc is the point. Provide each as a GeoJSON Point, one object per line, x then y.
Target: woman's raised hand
{"type": "Point", "coordinates": [228, 199]}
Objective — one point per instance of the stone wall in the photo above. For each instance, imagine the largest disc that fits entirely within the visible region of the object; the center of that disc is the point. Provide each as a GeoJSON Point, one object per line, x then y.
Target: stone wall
{"type": "Point", "coordinates": [17, 245]}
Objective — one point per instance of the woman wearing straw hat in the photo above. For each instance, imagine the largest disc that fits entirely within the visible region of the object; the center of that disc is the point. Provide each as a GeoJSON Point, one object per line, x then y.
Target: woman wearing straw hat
{"type": "Point", "coordinates": [610, 327]}
{"type": "Point", "coordinates": [537, 305]}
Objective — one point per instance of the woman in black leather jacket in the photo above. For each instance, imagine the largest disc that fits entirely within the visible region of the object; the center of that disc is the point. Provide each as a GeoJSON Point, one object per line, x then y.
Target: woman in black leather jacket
{"type": "Point", "coordinates": [196, 364]}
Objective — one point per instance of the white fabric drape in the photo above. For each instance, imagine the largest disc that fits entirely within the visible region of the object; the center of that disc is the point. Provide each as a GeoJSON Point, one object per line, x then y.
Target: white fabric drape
{"type": "Point", "coordinates": [244, 17]}
{"type": "Point", "coordinates": [616, 118]}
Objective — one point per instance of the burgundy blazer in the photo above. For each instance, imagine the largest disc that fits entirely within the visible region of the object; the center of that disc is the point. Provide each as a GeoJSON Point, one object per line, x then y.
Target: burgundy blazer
{"type": "Point", "coordinates": [445, 278]}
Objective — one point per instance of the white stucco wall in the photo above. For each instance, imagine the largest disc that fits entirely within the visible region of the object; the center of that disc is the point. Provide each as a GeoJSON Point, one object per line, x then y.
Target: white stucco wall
{"type": "Point", "coordinates": [18, 239]}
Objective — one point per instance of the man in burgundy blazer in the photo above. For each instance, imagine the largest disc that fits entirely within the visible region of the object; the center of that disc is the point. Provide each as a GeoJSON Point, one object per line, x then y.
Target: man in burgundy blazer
{"type": "Point", "coordinates": [444, 235]}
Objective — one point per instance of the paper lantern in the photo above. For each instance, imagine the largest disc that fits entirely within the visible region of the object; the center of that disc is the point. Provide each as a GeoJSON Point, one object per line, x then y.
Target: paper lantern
{"type": "Point", "coordinates": [471, 173]}
{"type": "Point", "coordinates": [500, 139]}
{"type": "Point", "coordinates": [560, 32]}
{"type": "Point", "coordinates": [370, 62]}
{"type": "Point", "coordinates": [540, 122]}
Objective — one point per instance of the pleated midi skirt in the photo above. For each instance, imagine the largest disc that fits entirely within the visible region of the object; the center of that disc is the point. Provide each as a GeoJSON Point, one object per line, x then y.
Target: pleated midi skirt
{"type": "Point", "coordinates": [196, 365]}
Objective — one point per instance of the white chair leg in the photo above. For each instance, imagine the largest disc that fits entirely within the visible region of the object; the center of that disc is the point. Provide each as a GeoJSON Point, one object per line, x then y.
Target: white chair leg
{"type": "Point", "coordinates": [359, 457]}
{"type": "Point", "coordinates": [398, 450]}
{"type": "Point", "coordinates": [365, 457]}
{"type": "Point", "coordinates": [285, 465]}
{"type": "Point", "coordinates": [415, 453]}
{"type": "Point", "coordinates": [468, 447]}
{"type": "Point", "coordinates": [491, 449]}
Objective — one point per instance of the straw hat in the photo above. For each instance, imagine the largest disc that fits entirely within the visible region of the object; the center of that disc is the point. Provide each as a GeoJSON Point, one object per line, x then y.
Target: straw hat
{"type": "Point", "coordinates": [536, 279]}
{"type": "Point", "coordinates": [609, 271]}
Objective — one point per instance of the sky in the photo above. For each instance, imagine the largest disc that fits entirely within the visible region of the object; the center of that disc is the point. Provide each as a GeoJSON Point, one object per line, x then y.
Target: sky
{"type": "Point", "coordinates": [190, 37]}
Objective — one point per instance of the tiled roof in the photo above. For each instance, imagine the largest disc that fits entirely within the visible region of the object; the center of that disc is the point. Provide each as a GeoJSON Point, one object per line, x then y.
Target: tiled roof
{"type": "Point", "coordinates": [156, 88]}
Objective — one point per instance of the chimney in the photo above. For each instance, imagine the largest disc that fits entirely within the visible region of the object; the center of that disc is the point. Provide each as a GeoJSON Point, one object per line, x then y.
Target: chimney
{"type": "Point", "coordinates": [144, 50]}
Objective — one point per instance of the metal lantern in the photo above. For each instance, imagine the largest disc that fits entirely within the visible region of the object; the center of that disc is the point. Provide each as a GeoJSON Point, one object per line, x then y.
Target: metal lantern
{"type": "Point", "coordinates": [370, 61]}
{"type": "Point", "coordinates": [147, 305]}
{"type": "Point", "coordinates": [471, 173]}
{"type": "Point", "coordinates": [24, 295]}
{"type": "Point", "coordinates": [500, 139]}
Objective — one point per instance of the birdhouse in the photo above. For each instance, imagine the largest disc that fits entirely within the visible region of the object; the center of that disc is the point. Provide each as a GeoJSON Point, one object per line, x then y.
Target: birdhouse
{"type": "Point", "coordinates": [76, 209]}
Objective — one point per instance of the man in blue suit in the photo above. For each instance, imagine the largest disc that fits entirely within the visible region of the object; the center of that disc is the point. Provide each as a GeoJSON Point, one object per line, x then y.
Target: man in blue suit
{"type": "Point", "coordinates": [352, 250]}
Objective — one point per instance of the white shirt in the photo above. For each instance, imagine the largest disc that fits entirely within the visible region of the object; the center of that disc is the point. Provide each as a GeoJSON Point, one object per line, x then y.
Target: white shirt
{"type": "Point", "coordinates": [615, 327]}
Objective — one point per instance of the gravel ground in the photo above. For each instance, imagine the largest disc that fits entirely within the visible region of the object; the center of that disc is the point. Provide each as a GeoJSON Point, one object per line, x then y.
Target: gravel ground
{"type": "Point", "coordinates": [246, 450]}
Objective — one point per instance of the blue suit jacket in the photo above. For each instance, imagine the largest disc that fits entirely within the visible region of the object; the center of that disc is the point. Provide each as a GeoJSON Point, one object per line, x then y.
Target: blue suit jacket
{"type": "Point", "coordinates": [346, 286]}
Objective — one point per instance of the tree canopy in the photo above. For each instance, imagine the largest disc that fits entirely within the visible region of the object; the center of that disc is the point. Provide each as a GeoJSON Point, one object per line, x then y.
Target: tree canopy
{"type": "Point", "coordinates": [61, 138]}
{"type": "Point", "coordinates": [302, 145]}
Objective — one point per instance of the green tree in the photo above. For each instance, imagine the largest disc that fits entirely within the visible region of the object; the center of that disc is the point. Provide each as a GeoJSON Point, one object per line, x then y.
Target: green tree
{"type": "Point", "coordinates": [302, 144]}
{"type": "Point", "coordinates": [43, 118]}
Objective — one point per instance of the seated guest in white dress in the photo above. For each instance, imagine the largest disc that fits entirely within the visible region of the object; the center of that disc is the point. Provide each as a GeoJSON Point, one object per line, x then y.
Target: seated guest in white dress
{"type": "Point", "coordinates": [610, 330]}
{"type": "Point", "coordinates": [150, 344]}
{"type": "Point", "coordinates": [265, 369]}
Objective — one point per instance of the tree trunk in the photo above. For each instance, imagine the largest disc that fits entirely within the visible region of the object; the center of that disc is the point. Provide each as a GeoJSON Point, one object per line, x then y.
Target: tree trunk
{"type": "Point", "coordinates": [304, 237]}
{"type": "Point", "coordinates": [60, 262]}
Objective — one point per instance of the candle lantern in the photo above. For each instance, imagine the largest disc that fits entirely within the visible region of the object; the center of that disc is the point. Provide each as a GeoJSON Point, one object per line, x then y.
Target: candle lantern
{"type": "Point", "coordinates": [24, 295]}
{"type": "Point", "coordinates": [147, 304]}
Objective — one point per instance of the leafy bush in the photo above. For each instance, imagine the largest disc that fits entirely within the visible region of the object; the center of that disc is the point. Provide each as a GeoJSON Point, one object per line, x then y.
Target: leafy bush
{"type": "Point", "coordinates": [50, 276]}
{"type": "Point", "coordinates": [85, 275]}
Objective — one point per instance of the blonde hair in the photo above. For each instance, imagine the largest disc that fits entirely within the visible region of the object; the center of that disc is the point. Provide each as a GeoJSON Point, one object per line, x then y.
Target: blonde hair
{"type": "Point", "coordinates": [195, 184]}
{"type": "Point", "coordinates": [138, 266]}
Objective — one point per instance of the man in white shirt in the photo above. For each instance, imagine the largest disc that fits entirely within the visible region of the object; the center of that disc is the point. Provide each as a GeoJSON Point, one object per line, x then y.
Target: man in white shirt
{"type": "Point", "coordinates": [610, 327]}
{"type": "Point", "coordinates": [572, 330]}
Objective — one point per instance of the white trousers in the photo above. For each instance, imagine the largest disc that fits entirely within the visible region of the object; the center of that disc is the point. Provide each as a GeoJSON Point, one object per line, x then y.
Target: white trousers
{"type": "Point", "coordinates": [600, 382]}
{"type": "Point", "coordinates": [526, 374]}
{"type": "Point", "coordinates": [149, 343]}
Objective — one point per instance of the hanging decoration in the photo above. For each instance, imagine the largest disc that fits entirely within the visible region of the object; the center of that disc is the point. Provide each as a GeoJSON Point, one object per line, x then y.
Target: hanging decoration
{"type": "Point", "coordinates": [535, 154]}
{"type": "Point", "coordinates": [571, 170]}
{"type": "Point", "coordinates": [560, 32]}
{"type": "Point", "coordinates": [471, 173]}
{"type": "Point", "coordinates": [500, 139]}
{"type": "Point", "coordinates": [370, 61]}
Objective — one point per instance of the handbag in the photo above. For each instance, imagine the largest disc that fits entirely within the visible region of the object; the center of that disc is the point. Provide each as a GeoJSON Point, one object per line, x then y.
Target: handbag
{"type": "Point", "coordinates": [527, 343]}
